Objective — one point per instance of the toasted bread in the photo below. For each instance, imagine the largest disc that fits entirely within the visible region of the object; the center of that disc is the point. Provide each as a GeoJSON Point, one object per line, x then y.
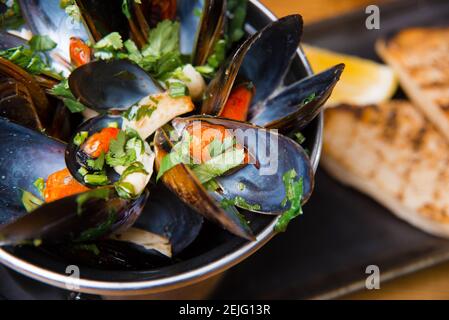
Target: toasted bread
{"type": "Point", "coordinates": [393, 154]}
{"type": "Point", "coordinates": [420, 57]}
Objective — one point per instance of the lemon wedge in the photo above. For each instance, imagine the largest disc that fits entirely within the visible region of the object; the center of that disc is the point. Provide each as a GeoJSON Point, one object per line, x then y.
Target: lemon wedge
{"type": "Point", "coordinates": [363, 81]}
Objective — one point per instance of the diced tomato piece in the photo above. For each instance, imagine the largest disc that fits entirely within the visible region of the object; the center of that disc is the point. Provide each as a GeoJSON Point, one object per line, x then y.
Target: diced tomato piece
{"type": "Point", "coordinates": [62, 184]}
{"type": "Point", "coordinates": [238, 103]}
{"type": "Point", "coordinates": [202, 134]}
{"type": "Point", "coordinates": [80, 53]}
{"type": "Point", "coordinates": [99, 142]}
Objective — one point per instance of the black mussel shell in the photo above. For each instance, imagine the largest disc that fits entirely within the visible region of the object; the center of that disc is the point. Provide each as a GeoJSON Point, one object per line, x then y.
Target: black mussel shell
{"type": "Point", "coordinates": [103, 17]}
{"type": "Point", "coordinates": [274, 155]}
{"type": "Point", "coordinates": [85, 217]}
{"type": "Point", "coordinates": [199, 34]}
{"type": "Point", "coordinates": [76, 158]}
{"type": "Point", "coordinates": [181, 181]}
{"type": "Point", "coordinates": [220, 87]}
{"type": "Point", "coordinates": [111, 85]}
{"type": "Point", "coordinates": [25, 156]}
{"type": "Point", "coordinates": [166, 215]}
{"type": "Point", "coordinates": [268, 60]}
{"type": "Point", "coordinates": [298, 104]}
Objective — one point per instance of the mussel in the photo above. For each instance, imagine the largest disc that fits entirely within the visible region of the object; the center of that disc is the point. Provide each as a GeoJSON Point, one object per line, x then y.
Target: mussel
{"type": "Point", "coordinates": [46, 17]}
{"type": "Point", "coordinates": [273, 105]}
{"type": "Point", "coordinates": [95, 215]}
{"type": "Point", "coordinates": [259, 183]}
{"type": "Point", "coordinates": [28, 155]}
{"type": "Point", "coordinates": [115, 87]}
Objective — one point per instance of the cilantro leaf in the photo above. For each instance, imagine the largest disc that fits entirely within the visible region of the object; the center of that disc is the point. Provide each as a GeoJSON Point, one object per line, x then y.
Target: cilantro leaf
{"type": "Point", "coordinates": [62, 91]}
{"type": "Point", "coordinates": [41, 43]}
{"type": "Point", "coordinates": [96, 164]}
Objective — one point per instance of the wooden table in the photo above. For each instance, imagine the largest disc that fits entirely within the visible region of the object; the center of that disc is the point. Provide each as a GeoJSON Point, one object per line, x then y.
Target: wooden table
{"type": "Point", "coordinates": [432, 283]}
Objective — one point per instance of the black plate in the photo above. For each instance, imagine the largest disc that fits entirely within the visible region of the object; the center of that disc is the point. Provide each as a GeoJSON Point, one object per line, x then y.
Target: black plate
{"type": "Point", "coordinates": [325, 253]}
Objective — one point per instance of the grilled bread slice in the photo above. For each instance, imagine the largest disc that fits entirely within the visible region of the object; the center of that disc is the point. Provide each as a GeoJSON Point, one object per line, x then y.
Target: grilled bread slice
{"type": "Point", "coordinates": [420, 57]}
{"type": "Point", "coordinates": [393, 154]}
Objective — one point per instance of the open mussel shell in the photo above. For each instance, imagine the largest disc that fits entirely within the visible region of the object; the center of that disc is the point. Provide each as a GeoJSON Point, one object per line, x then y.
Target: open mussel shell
{"type": "Point", "coordinates": [111, 85]}
{"type": "Point", "coordinates": [220, 87]}
{"type": "Point", "coordinates": [74, 155]}
{"type": "Point", "coordinates": [268, 60]}
{"type": "Point", "coordinates": [25, 156]}
{"type": "Point", "coordinates": [261, 183]}
{"type": "Point", "coordinates": [298, 104]}
{"type": "Point", "coordinates": [46, 17]}
{"type": "Point", "coordinates": [181, 181]}
{"type": "Point", "coordinates": [164, 218]}
{"type": "Point", "coordinates": [28, 155]}
{"type": "Point", "coordinates": [85, 217]}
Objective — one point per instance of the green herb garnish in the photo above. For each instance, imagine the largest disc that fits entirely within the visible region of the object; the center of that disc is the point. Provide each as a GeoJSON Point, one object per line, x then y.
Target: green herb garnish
{"type": "Point", "coordinates": [41, 43]}
{"type": "Point", "coordinates": [63, 92]}
{"type": "Point", "coordinates": [30, 201]}
{"type": "Point", "coordinates": [294, 193]}
{"type": "Point", "coordinates": [118, 154]}
{"type": "Point", "coordinates": [96, 179]}
{"type": "Point", "coordinates": [80, 137]}
{"type": "Point", "coordinates": [97, 164]}
{"type": "Point", "coordinates": [299, 137]}
{"type": "Point", "coordinates": [239, 202]}
{"type": "Point", "coordinates": [177, 89]}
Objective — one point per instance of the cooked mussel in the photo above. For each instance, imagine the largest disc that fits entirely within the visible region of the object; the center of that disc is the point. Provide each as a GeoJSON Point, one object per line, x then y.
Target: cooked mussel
{"type": "Point", "coordinates": [272, 105]}
{"type": "Point", "coordinates": [28, 155]}
{"type": "Point", "coordinates": [75, 154]}
{"type": "Point", "coordinates": [298, 104]}
{"type": "Point", "coordinates": [259, 183]}
{"type": "Point", "coordinates": [182, 181]}
{"type": "Point", "coordinates": [111, 85]}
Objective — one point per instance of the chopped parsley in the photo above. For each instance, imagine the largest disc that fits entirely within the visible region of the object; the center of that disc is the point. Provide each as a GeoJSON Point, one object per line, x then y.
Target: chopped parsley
{"type": "Point", "coordinates": [124, 150]}
{"type": "Point", "coordinates": [97, 164]}
{"type": "Point", "coordinates": [177, 89]}
{"type": "Point", "coordinates": [239, 202]}
{"type": "Point", "coordinates": [96, 179]}
{"type": "Point", "coordinates": [30, 201]}
{"type": "Point", "coordinates": [62, 91]}
{"type": "Point", "coordinates": [41, 43]}
{"type": "Point", "coordinates": [294, 193]}
{"type": "Point", "coordinates": [299, 137]}
{"type": "Point", "coordinates": [80, 137]}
